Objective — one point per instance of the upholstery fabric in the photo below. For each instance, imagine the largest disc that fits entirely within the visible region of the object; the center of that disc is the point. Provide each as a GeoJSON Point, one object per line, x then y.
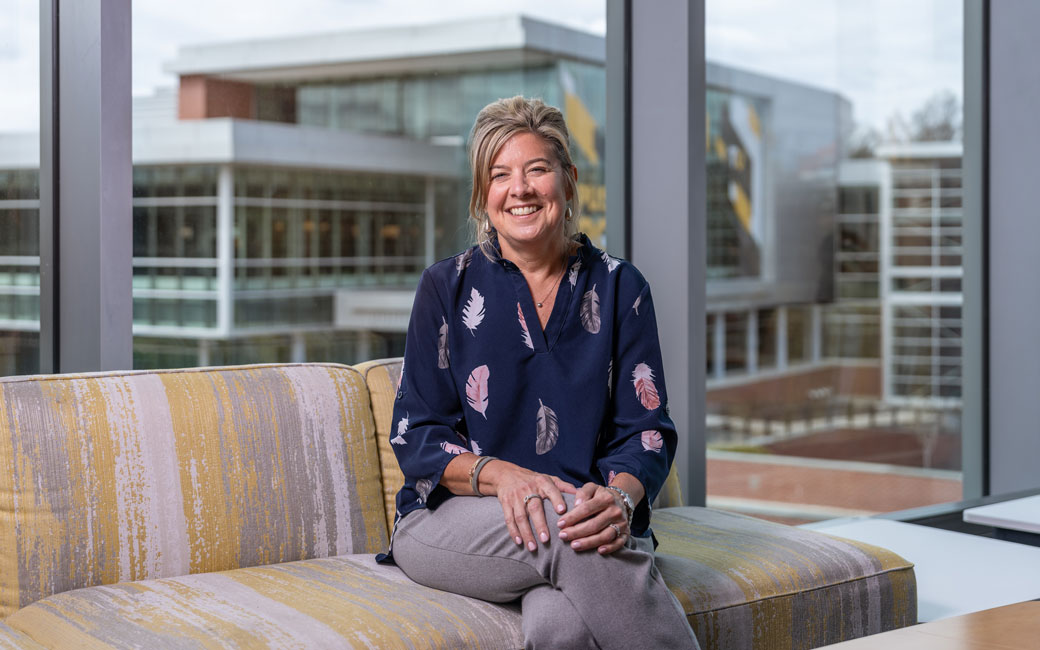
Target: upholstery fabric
{"type": "Point", "coordinates": [750, 583]}
{"type": "Point", "coordinates": [382, 377]}
{"type": "Point", "coordinates": [340, 602]}
{"type": "Point", "coordinates": [12, 639]}
{"type": "Point", "coordinates": [111, 477]}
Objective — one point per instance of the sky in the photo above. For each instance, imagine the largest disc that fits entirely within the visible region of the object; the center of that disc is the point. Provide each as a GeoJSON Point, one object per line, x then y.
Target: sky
{"type": "Point", "coordinates": [883, 55]}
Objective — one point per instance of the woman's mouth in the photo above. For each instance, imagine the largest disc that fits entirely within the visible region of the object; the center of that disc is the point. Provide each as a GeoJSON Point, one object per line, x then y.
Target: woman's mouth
{"type": "Point", "coordinates": [523, 211]}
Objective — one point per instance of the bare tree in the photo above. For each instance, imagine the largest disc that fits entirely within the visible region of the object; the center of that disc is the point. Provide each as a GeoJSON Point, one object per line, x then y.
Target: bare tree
{"type": "Point", "coordinates": [938, 120]}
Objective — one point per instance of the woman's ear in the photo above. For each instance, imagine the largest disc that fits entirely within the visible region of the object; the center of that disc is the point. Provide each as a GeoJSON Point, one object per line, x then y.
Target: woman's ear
{"type": "Point", "coordinates": [574, 176]}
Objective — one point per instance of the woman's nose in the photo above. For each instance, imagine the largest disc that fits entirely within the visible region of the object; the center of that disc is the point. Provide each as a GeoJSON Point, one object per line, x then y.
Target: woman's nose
{"type": "Point", "coordinates": [519, 185]}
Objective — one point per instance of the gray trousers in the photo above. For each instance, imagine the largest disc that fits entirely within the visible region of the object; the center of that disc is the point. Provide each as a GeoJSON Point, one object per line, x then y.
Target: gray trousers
{"type": "Point", "coordinates": [570, 599]}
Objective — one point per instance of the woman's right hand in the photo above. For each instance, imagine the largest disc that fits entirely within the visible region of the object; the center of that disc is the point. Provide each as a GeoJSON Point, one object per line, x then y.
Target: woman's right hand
{"type": "Point", "coordinates": [512, 484]}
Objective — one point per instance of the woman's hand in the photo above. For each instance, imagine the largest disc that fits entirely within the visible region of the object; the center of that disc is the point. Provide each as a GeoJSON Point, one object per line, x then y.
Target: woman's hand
{"type": "Point", "coordinates": [598, 519]}
{"type": "Point", "coordinates": [525, 517]}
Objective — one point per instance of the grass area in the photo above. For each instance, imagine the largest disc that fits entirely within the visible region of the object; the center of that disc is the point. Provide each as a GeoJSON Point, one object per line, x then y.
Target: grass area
{"type": "Point", "coordinates": [743, 449]}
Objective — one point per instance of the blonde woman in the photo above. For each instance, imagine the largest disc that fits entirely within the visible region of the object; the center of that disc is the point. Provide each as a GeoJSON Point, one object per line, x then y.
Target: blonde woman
{"type": "Point", "coordinates": [531, 423]}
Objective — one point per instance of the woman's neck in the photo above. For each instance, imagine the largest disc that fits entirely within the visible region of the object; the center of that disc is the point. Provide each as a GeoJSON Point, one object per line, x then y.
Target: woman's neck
{"type": "Point", "coordinates": [547, 262]}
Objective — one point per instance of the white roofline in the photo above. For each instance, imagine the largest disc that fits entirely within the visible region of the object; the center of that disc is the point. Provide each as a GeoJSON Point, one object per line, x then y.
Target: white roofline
{"type": "Point", "coordinates": [225, 140]}
{"type": "Point", "coordinates": [947, 149]}
{"type": "Point", "coordinates": [478, 42]}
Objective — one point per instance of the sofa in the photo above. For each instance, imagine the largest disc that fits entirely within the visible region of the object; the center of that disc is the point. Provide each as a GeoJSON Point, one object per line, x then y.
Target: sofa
{"type": "Point", "coordinates": [242, 507]}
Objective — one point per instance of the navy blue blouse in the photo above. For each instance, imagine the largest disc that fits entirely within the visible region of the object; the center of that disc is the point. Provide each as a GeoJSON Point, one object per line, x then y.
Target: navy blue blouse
{"type": "Point", "coordinates": [581, 400]}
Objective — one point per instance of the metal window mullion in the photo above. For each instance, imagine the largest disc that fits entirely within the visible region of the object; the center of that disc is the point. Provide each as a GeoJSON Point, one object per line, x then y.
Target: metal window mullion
{"type": "Point", "coordinates": [85, 162]}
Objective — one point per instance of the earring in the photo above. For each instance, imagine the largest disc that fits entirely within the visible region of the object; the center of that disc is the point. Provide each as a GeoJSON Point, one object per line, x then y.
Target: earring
{"type": "Point", "coordinates": [570, 213]}
{"type": "Point", "coordinates": [487, 225]}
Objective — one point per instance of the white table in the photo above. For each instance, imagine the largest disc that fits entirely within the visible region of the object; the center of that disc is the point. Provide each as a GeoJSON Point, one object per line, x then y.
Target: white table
{"type": "Point", "coordinates": [956, 573]}
{"type": "Point", "coordinates": [1021, 515]}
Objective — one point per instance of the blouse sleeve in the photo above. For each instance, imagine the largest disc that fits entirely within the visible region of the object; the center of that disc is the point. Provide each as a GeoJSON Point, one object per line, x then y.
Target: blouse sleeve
{"type": "Point", "coordinates": [643, 439]}
{"type": "Point", "coordinates": [427, 410]}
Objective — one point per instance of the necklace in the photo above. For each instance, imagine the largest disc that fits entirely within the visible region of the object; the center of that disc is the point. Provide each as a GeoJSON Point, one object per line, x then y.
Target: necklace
{"type": "Point", "coordinates": [552, 288]}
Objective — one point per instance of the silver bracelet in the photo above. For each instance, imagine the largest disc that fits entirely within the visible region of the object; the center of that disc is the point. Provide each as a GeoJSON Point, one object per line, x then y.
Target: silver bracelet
{"type": "Point", "coordinates": [626, 498]}
{"type": "Point", "coordinates": [474, 473]}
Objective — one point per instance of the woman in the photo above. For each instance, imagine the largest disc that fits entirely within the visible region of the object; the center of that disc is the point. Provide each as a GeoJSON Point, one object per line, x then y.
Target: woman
{"type": "Point", "coordinates": [533, 374]}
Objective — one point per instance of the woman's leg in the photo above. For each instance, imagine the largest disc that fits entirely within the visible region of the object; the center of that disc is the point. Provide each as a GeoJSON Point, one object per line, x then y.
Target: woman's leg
{"type": "Point", "coordinates": [463, 547]}
{"type": "Point", "coordinates": [551, 622]}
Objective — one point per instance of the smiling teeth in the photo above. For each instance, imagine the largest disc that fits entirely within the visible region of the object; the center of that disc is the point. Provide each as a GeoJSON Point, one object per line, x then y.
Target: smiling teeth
{"type": "Point", "coordinates": [519, 212]}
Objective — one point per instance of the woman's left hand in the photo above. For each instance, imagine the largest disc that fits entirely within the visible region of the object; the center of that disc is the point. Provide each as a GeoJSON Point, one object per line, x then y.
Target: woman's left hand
{"type": "Point", "coordinates": [591, 523]}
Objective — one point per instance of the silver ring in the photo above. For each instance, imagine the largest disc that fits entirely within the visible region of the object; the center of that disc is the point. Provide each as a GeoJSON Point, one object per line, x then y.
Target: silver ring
{"type": "Point", "coordinates": [617, 530]}
{"type": "Point", "coordinates": [531, 496]}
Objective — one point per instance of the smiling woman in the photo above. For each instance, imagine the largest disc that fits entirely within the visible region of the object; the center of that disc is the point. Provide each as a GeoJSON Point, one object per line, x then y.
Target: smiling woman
{"type": "Point", "coordinates": [550, 425]}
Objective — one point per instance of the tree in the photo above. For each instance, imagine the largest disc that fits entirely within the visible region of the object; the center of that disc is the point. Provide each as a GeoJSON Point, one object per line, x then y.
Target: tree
{"type": "Point", "coordinates": [938, 120]}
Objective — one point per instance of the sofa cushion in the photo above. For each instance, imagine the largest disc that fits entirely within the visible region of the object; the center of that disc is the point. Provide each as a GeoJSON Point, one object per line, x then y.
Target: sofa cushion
{"type": "Point", "coordinates": [12, 639]}
{"type": "Point", "coordinates": [340, 602]}
{"type": "Point", "coordinates": [111, 477]}
{"type": "Point", "coordinates": [750, 583]}
{"type": "Point", "coordinates": [382, 377]}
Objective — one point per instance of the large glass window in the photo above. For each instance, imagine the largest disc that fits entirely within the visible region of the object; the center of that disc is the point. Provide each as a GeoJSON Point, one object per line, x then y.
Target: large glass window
{"type": "Point", "coordinates": [19, 190]}
{"type": "Point", "coordinates": [306, 239]}
{"type": "Point", "coordinates": [834, 232]}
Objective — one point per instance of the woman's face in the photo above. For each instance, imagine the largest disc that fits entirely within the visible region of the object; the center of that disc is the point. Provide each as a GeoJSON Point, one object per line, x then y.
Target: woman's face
{"type": "Point", "coordinates": [527, 196]}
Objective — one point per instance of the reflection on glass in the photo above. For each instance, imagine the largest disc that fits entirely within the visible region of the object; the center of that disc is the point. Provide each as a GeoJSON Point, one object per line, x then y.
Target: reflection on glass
{"type": "Point", "coordinates": [834, 256]}
{"type": "Point", "coordinates": [347, 177]}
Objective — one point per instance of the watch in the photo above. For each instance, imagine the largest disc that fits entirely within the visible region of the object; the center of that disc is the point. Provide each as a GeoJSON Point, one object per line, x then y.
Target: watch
{"type": "Point", "coordinates": [626, 498]}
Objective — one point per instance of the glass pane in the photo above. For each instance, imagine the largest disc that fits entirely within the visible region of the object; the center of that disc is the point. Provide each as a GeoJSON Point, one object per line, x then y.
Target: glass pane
{"type": "Point", "coordinates": [306, 239]}
{"type": "Point", "coordinates": [834, 234]}
{"type": "Point", "coordinates": [19, 189]}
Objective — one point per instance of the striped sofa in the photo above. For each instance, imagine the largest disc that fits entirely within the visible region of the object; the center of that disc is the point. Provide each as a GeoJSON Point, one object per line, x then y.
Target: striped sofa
{"type": "Point", "coordinates": [242, 508]}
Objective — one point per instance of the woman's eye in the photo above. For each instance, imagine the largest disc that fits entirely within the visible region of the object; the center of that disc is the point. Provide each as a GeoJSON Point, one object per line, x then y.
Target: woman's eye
{"type": "Point", "coordinates": [499, 176]}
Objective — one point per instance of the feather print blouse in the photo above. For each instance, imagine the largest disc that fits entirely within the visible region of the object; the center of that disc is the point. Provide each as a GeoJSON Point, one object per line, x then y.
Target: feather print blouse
{"type": "Point", "coordinates": [582, 400]}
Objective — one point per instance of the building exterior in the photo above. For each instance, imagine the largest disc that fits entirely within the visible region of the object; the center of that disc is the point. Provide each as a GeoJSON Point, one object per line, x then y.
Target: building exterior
{"type": "Point", "coordinates": [289, 193]}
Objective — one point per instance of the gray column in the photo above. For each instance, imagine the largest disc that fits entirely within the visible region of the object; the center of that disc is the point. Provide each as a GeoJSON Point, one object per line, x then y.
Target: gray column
{"type": "Point", "coordinates": [85, 186]}
{"type": "Point", "coordinates": [666, 191]}
{"type": "Point", "coordinates": [751, 342]}
{"type": "Point", "coordinates": [719, 347]}
{"type": "Point", "coordinates": [225, 250]}
{"type": "Point", "coordinates": [781, 337]}
{"type": "Point", "coordinates": [1009, 174]}
{"type": "Point", "coordinates": [430, 226]}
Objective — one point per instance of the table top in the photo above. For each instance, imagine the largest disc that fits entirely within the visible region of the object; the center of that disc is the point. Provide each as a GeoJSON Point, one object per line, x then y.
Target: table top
{"type": "Point", "coordinates": [1011, 627]}
{"type": "Point", "coordinates": [956, 573]}
{"type": "Point", "coordinates": [1016, 514]}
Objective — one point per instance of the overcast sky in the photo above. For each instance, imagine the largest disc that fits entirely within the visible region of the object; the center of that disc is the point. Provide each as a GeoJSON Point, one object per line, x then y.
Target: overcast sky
{"type": "Point", "coordinates": [883, 55]}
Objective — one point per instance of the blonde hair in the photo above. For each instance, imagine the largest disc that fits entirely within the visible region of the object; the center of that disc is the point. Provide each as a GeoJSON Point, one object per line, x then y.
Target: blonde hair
{"type": "Point", "coordinates": [495, 124]}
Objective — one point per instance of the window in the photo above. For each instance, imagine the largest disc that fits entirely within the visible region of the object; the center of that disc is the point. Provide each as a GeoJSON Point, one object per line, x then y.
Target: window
{"type": "Point", "coordinates": [309, 245]}
{"type": "Point", "coordinates": [19, 192]}
{"type": "Point", "coordinates": [834, 225]}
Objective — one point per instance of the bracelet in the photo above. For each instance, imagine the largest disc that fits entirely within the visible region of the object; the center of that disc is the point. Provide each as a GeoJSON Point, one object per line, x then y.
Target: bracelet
{"type": "Point", "coordinates": [626, 499]}
{"type": "Point", "coordinates": [474, 473]}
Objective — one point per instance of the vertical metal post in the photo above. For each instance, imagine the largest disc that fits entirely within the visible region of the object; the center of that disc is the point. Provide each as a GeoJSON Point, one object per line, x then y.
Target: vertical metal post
{"type": "Point", "coordinates": [666, 191]}
{"type": "Point", "coordinates": [85, 197]}
{"type": "Point", "coordinates": [975, 240]}
{"type": "Point", "coordinates": [50, 353]}
{"type": "Point", "coordinates": [619, 131]}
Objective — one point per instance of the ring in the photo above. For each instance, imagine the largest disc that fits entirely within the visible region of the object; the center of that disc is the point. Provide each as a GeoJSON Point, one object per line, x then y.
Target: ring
{"type": "Point", "coordinates": [531, 496]}
{"type": "Point", "coordinates": [617, 530]}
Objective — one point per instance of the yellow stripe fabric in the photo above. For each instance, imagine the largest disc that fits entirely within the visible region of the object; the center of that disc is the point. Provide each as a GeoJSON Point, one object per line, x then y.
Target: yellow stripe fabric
{"type": "Point", "coordinates": [340, 602]}
{"type": "Point", "coordinates": [382, 377]}
{"type": "Point", "coordinates": [749, 583]}
{"type": "Point", "coordinates": [128, 476]}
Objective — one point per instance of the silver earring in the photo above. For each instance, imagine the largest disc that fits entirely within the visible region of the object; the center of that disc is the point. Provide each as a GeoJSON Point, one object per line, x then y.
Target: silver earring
{"type": "Point", "coordinates": [487, 225]}
{"type": "Point", "coordinates": [570, 214]}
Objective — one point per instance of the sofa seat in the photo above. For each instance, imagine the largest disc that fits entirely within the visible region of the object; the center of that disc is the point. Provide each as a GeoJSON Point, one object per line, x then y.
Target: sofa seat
{"type": "Point", "coordinates": [338, 602]}
{"type": "Point", "coordinates": [12, 639]}
{"type": "Point", "coordinates": [749, 583]}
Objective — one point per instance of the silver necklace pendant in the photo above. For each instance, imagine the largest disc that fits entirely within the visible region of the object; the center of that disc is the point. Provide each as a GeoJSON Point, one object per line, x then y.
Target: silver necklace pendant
{"type": "Point", "coordinates": [539, 305]}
